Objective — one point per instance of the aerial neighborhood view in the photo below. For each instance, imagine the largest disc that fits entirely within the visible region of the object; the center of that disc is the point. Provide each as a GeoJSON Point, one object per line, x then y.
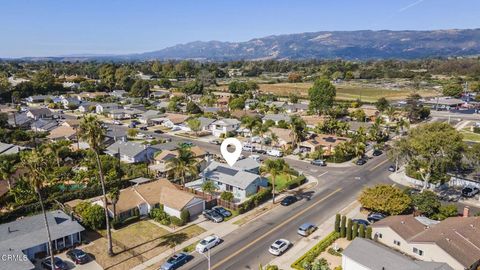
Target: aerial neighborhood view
{"type": "Point", "coordinates": [307, 135]}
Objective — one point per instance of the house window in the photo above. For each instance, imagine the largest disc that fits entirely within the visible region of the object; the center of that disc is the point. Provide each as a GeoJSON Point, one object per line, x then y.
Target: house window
{"type": "Point", "coordinates": [229, 188]}
{"type": "Point", "coordinates": [396, 242]}
{"type": "Point", "coordinates": [418, 251]}
{"type": "Point", "coordinates": [378, 235]}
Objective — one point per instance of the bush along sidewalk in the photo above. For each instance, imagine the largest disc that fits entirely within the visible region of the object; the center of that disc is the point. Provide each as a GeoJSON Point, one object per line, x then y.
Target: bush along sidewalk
{"type": "Point", "coordinates": [313, 253]}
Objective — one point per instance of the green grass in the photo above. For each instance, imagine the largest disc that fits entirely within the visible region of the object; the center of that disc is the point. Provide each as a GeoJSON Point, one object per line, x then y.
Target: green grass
{"type": "Point", "coordinates": [234, 214]}
{"type": "Point", "coordinates": [470, 136]}
{"type": "Point", "coordinates": [282, 181]}
{"type": "Point", "coordinates": [190, 248]}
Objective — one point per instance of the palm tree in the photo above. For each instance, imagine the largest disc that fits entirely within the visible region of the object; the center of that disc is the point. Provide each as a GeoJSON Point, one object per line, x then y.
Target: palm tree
{"type": "Point", "coordinates": [261, 130]}
{"type": "Point", "coordinates": [359, 149]}
{"type": "Point", "coordinates": [274, 138]}
{"type": "Point", "coordinates": [93, 133]}
{"type": "Point", "coordinates": [114, 195]}
{"type": "Point", "coordinates": [7, 168]}
{"type": "Point", "coordinates": [274, 167]}
{"type": "Point", "coordinates": [391, 112]}
{"type": "Point", "coordinates": [37, 164]}
{"type": "Point", "coordinates": [55, 148]}
{"type": "Point", "coordinates": [184, 163]}
{"type": "Point", "coordinates": [208, 187]}
{"type": "Point", "coordinates": [297, 129]}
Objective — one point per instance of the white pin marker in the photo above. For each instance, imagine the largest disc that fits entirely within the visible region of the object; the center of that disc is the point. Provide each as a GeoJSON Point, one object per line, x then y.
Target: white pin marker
{"type": "Point", "coordinates": [231, 157]}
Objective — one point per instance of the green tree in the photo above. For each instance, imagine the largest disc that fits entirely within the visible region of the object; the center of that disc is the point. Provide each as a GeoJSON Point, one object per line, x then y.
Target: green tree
{"type": "Point", "coordinates": [298, 129]}
{"type": "Point", "coordinates": [185, 216]}
{"type": "Point", "coordinates": [140, 88]}
{"type": "Point", "coordinates": [91, 214]}
{"type": "Point", "coordinates": [107, 75]}
{"type": "Point", "coordinates": [227, 196]}
{"type": "Point", "coordinates": [343, 227]}
{"type": "Point", "coordinates": [195, 125]}
{"type": "Point", "coordinates": [354, 230]}
{"type": "Point", "coordinates": [193, 108]}
{"type": "Point", "coordinates": [43, 80]}
{"type": "Point", "coordinates": [337, 223]}
{"type": "Point", "coordinates": [426, 202]}
{"type": "Point", "coordinates": [446, 211]}
{"type": "Point", "coordinates": [385, 199]}
{"type": "Point", "coordinates": [114, 195]}
{"type": "Point", "coordinates": [7, 168]}
{"type": "Point", "coordinates": [361, 231]}
{"type": "Point", "coordinates": [453, 90]}
{"type": "Point", "coordinates": [368, 233]}
{"type": "Point", "coordinates": [349, 229]}
{"type": "Point", "coordinates": [274, 167]}
{"type": "Point", "coordinates": [93, 133]}
{"type": "Point", "coordinates": [209, 187]}
{"type": "Point", "coordinates": [382, 104]}
{"type": "Point", "coordinates": [184, 164]}
{"type": "Point", "coordinates": [322, 95]}
{"type": "Point", "coordinates": [236, 103]}
{"type": "Point", "coordinates": [132, 132]}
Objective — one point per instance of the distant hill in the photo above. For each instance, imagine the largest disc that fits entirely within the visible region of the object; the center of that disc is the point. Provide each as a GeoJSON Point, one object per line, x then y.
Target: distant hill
{"type": "Point", "coordinates": [350, 45]}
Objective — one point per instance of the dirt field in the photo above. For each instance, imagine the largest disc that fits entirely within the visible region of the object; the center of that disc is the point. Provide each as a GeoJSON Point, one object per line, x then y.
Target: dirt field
{"type": "Point", "coordinates": [345, 92]}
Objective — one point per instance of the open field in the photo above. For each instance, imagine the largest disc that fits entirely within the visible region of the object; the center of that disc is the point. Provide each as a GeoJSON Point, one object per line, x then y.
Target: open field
{"type": "Point", "coordinates": [345, 92]}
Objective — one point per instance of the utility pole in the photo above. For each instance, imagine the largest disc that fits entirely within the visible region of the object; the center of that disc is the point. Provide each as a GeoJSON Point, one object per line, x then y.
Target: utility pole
{"type": "Point", "coordinates": [207, 256]}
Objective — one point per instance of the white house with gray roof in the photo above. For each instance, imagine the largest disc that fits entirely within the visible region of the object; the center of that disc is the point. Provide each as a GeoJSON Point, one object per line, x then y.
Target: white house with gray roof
{"type": "Point", "coordinates": [28, 234]}
{"type": "Point", "coordinates": [131, 152]}
{"type": "Point", "coordinates": [223, 126]}
{"type": "Point", "coordinates": [276, 118]}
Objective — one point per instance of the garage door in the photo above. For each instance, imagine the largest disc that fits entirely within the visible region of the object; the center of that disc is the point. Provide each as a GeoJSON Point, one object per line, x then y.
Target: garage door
{"type": "Point", "coordinates": [196, 207]}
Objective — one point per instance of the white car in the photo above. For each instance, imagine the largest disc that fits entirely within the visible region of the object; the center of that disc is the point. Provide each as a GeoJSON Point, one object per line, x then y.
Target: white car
{"type": "Point", "coordinates": [247, 147]}
{"type": "Point", "coordinates": [279, 247]}
{"type": "Point", "coordinates": [275, 153]}
{"type": "Point", "coordinates": [207, 243]}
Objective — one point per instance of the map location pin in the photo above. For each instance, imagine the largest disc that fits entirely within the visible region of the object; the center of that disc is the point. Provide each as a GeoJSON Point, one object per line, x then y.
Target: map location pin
{"type": "Point", "coordinates": [231, 157]}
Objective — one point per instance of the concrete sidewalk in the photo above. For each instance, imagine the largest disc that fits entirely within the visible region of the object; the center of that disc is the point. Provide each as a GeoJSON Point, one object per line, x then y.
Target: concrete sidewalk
{"type": "Point", "coordinates": [305, 244]}
{"type": "Point", "coordinates": [329, 164]}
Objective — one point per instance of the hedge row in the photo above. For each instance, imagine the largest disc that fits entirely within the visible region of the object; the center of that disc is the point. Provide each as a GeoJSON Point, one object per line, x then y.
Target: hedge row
{"type": "Point", "coordinates": [262, 196]}
{"type": "Point", "coordinates": [316, 250]}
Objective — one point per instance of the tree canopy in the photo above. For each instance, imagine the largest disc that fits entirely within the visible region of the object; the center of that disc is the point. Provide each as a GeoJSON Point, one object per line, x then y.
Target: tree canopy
{"type": "Point", "coordinates": [385, 199]}
{"type": "Point", "coordinates": [322, 95]}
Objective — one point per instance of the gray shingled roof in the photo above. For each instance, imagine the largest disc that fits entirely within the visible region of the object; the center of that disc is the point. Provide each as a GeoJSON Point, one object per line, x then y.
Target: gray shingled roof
{"type": "Point", "coordinates": [232, 176]}
{"type": "Point", "coordinates": [30, 231]}
{"type": "Point", "coordinates": [376, 256]}
{"type": "Point", "coordinates": [130, 149]}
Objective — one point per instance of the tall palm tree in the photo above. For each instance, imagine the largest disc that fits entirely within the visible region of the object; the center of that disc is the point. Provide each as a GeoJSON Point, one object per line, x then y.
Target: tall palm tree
{"type": "Point", "coordinates": [274, 138]}
{"type": "Point", "coordinates": [55, 148]}
{"type": "Point", "coordinates": [184, 163]}
{"type": "Point", "coordinates": [93, 133]}
{"type": "Point", "coordinates": [297, 129]}
{"type": "Point", "coordinates": [114, 195]}
{"type": "Point", "coordinates": [274, 167]}
{"type": "Point", "coordinates": [38, 165]}
{"type": "Point", "coordinates": [261, 130]}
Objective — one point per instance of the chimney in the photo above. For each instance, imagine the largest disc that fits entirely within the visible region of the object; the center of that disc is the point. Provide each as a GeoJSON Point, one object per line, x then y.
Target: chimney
{"type": "Point", "coordinates": [466, 211]}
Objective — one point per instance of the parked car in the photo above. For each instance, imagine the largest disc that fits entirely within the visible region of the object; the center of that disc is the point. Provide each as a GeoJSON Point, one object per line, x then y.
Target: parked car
{"type": "Point", "coordinates": [260, 151]}
{"type": "Point", "coordinates": [248, 147]}
{"type": "Point", "coordinates": [318, 162]}
{"type": "Point", "coordinates": [374, 217]}
{"type": "Point", "coordinates": [132, 125]}
{"type": "Point", "coordinates": [469, 191]}
{"type": "Point", "coordinates": [275, 153]}
{"type": "Point", "coordinates": [361, 161]}
{"type": "Point", "coordinates": [361, 221]}
{"type": "Point", "coordinates": [116, 122]}
{"type": "Point", "coordinates": [306, 229]}
{"type": "Point", "coordinates": [207, 243]}
{"type": "Point", "coordinates": [216, 142]}
{"type": "Point", "coordinates": [279, 247]}
{"type": "Point", "coordinates": [257, 158]}
{"type": "Point", "coordinates": [175, 261]}
{"type": "Point", "coordinates": [187, 144]}
{"type": "Point", "coordinates": [149, 137]}
{"type": "Point", "coordinates": [144, 128]}
{"type": "Point", "coordinates": [288, 200]}
{"type": "Point", "coordinates": [222, 211]}
{"type": "Point", "coordinates": [213, 216]}
{"type": "Point", "coordinates": [392, 168]}
{"type": "Point", "coordinates": [158, 131]}
{"type": "Point", "coordinates": [59, 264]}
{"type": "Point", "coordinates": [78, 256]}
{"type": "Point", "coordinates": [377, 153]}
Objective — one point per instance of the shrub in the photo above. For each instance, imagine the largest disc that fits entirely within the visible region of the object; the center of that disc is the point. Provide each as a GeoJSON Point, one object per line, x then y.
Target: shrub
{"type": "Point", "coordinates": [385, 199]}
{"type": "Point", "coordinates": [93, 215]}
{"type": "Point", "coordinates": [310, 256]}
{"type": "Point", "coordinates": [176, 221]}
{"type": "Point", "coordinates": [185, 216]}
{"type": "Point", "coordinates": [361, 231]}
{"type": "Point", "coordinates": [337, 223]}
{"type": "Point", "coordinates": [227, 196]}
{"type": "Point", "coordinates": [354, 230]}
{"type": "Point", "coordinates": [334, 252]}
{"type": "Point", "coordinates": [343, 228]}
{"type": "Point", "coordinates": [369, 232]}
{"type": "Point", "coordinates": [349, 229]}
{"type": "Point", "coordinates": [126, 222]}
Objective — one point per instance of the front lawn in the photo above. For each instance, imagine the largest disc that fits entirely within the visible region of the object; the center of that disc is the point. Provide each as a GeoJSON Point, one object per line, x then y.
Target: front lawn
{"type": "Point", "coordinates": [282, 181]}
{"type": "Point", "coordinates": [470, 136]}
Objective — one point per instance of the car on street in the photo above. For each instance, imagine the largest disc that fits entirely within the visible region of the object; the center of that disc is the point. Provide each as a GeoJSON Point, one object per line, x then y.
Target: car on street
{"type": "Point", "coordinates": [275, 153]}
{"type": "Point", "coordinates": [158, 131]}
{"type": "Point", "coordinates": [377, 152]}
{"type": "Point", "coordinates": [361, 161]}
{"type": "Point", "coordinates": [257, 158]}
{"type": "Point", "coordinates": [392, 168]}
{"type": "Point", "coordinates": [306, 229]}
{"type": "Point", "coordinates": [318, 162]}
{"type": "Point", "coordinates": [247, 147]}
{"type": "Point", "coordinates": [59, 264]}
{"type": "Point", "coordinates": [186, 144]}
{"type": "Point", "coordinates": [116, 122]}
{"type": "Point", "coordinates": [143, 128]}
{"type": "Point", "coordinates": [361, 221]}
{"type": "Point", "coordinates": [213, 216]}
{"type": "Point", "coordinates": [374, 217]}
{"type": "Point", "coordinates": [149, 137]}
{"type": "Point", "coordinates": [469, 191]}
{"type": "Point", "coordinates": [279, 247]}
{"type": "Point", "coordinates": [260, 151]}
{"type": "Point", "coordinates": [222, 211]}
{"type": "Point", "coordinates": [78, 256]}
{"type": "Point", "coordinates": [216, 142]}
{"type": "Point", "coordinates": [175, 261]}
{"type": "Point", "coordinates": [288, 200]}
{"type": "Point", "coordinates": [207, 243]}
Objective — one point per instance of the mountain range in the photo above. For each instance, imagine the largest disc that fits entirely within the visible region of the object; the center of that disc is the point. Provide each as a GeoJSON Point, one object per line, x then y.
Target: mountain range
{"type": "Point", "coordinates": [350, 45]}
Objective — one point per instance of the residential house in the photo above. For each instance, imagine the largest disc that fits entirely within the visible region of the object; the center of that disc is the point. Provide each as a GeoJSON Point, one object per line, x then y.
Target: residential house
{"type": "Point", "coordinates": [454, 241]}
{"type": "Point", "coordinates": [162, 105]}
{"type": "Point", "coordinates": [28, 235]}
{"type": "Point", "coordinates": [241, 179]}
{"type": "Point", "coordinates": [312, 121]}
{"type": "Point", "coordinates": [160, 94]}
{"type": "Point", "coordinates": [365, 254]}
{"type": "Point", "coordinates": [160, 161]}
{"type": "Point", "coordinates": [444, 103]}
{"type": "Point", "coordinates": [295, 108]}
{"type": "Point", "coordinates": [44, 125]}
{"type": "Point", "coordinates": [116, 133]}
{"type": "Point", "coordinates": [370, 111]}
{"type": "Point", "coordinates": [71, 85]}
{"type": "Point", "coordinates": [20, 120]}
{"type": "Point", "coordinates": [172, 120]}
{"type": "Point", "coordinates": [131, 152]}
{"type": "Point", "coordinates": [146, 117]}
{"type": "Point", "coordinates": [86, 106]}
{"type": "Point", "coordinates": [284, 137]}
{"type": "Point", "coordinates": [118, 93]}
{"type": "Point", "coordinates": [83, 96]}
{"type": "Point", "coordinates": [250, 103]}
{"type": "Point", "coordinates": [67, 101]}
{"type": "Point", "coordinates": [121, 114]}
{"type": "Point", "coordinates": [276, 104]}
{"type": "Point", "coordinates": [8, 149]}
{"type": "Point", "coordinates": [323, 141]}
{"type": "Point", "coordinates": [106, 107]}
{"type": "Point", "coordinates": [39, 113]}
{"type": "Point", "coordinates": [205, 123]}
{"type": "Point", "coordinates": [276, 118]}
{"type": "Point", "coordinates": [147, 196]}
{"type": "Point", "coordinates": [62, 133]}
{"type": "Point", "coordinates": [37, 99]}
{"type": "Point", "coordinates": [224, 126]}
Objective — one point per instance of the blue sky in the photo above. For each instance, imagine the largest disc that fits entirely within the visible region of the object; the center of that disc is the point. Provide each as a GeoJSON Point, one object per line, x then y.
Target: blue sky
{"type": "Point", "coordinates": [59, 27]}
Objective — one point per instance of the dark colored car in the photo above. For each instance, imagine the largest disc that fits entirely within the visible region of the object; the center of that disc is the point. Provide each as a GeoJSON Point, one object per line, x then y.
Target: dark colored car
{"type": "Point", "coordinates": [260, 151]}
{"type": "Point", "coordinates": [374, 217]}
{"type": "Point", "coordinates": [175, 261]}
{"type": "Point", "coordinates": [222, 211]}
{"type": "Point", "coordinates": [143, 128]}
{"type": "Point", "coordinates": [59, 264]}
{"type": "Point", "coordinates": [78, 256]}
{"type": "Point", "coordinates": [213, 216]}
{"type": "Point", "coordinates": [361, 221]}
{"type": "Point", "coordinates": [187, 144]}
{"type": "Point", "coordinates": [361, 161]}
{"type": "Point", "coordinates": [469, 191]}
{"type": "Point", "coordinates": [318, 162]}
{"type": "Point", "coordinates": [158, 131]}
{"type": "Point", "coordinates": [288, 200]}
{"type": "Point", "coordinates": [392, 168]}
{"type": "Point", "coordinates": [377, 153]}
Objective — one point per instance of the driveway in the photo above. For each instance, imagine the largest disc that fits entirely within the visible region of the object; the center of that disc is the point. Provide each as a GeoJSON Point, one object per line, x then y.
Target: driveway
{"type": "Point", "coordinates": [92, 265]}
